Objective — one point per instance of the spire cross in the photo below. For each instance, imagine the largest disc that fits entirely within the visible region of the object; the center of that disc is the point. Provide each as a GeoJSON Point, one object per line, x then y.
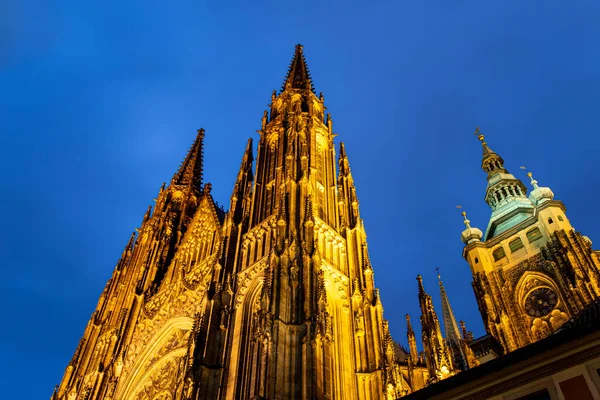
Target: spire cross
{"type": "Point", "coordinates": [437, 269]}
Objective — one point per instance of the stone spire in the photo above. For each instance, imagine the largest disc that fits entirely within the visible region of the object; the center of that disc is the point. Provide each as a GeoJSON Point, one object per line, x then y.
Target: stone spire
{"type": "Point", "coordinates": [239, 205]}
{"type": "Point", "coordinates": [412, 341]}
{"type": "Point", "coordinates": [298, 75]}
{"type": "Point", "coordinates": [450, 325]}
{"type": "Point", "coordinates": [347, 199]}
{"type": "Point", "coordinates": [437, 354]}
{"type": "Point", "coordinates": [190, 171]}
{"type": "Point", "coordinates": [505, 194]}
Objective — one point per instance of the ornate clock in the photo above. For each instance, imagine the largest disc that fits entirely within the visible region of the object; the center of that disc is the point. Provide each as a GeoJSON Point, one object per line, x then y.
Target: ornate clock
{"type": "Point", "coordinates": [539, 302]}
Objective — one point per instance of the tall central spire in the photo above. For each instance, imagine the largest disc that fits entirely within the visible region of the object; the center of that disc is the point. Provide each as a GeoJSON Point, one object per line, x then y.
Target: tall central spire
{"type": "Point", "coordinates": [298, 75]}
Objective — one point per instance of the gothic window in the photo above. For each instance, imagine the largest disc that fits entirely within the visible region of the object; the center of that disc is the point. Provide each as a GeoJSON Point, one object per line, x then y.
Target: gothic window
{"type": "Point", "coordinates": [560, 218]}
{"type": "Point", "coordinates": [269, 198]}
{"type": "Point", "coordinates": [533, 235]}
{"type": "Point", "coordinates": [498, 254]}
{"type": "Point", "coordinates": [272, 159]}
{"type": "Point", "coordinates": [515, 245]}
{"type": "Point", "coordinates": [320, 163]}
{"type": "Point", "coordinates": [550, 220]}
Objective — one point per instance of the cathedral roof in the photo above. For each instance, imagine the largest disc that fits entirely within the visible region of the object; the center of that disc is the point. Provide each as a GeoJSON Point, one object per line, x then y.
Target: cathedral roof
{"type": "Point", "coordinates": [298, 75]}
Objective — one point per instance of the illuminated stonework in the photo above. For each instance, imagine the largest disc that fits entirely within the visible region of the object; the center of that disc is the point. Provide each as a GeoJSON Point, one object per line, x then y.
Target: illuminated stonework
{"type": "Point", "coordinates": [531, 270]}
{"type": "Point", "coordinates": [274, 298]}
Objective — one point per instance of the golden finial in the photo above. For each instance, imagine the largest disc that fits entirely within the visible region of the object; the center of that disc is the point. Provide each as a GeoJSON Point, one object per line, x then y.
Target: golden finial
{"type": "Point", "coordinates": [532, 181]}
{"type": "Point", "coordinates": [437, 269]}
{"type": "Point", "coordinates": [466, 221]}
{"type": "Point", "coordinates": [479, 135]}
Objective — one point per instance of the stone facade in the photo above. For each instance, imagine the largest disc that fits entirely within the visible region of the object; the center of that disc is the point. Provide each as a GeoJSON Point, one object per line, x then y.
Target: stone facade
{"type": "Point", "coordinates": [532, 271]}
{"type": "Point", "coordinates": [273, 299]}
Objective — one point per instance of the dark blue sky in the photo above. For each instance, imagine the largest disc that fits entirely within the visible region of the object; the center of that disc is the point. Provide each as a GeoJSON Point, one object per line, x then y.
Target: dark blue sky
{"type": "Point", "coordinates": [100, 101]}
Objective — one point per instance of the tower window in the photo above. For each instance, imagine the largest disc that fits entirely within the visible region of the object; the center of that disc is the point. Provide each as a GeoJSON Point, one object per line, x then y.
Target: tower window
{"type": "Point", "coordinates": [550, 220]}
{"type": "Point", "coordinates": [476, 260]}
{"type": "Point", "coordinates": [498, 254]}
{"type": "Point", "coordinates": [533, 235]}
{"type": "Point", "coordinates": [560, 218]}
{"type": "Point", "coordinates": [515, 245]}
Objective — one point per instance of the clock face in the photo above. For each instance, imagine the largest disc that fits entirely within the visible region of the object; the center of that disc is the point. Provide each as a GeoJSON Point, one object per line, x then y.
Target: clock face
{"type": "Point", "coordinates": [540, 302]}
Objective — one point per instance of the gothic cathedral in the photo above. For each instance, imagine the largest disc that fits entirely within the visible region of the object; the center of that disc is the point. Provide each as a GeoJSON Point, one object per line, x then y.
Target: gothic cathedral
{"type": "Point", "coordinates": [275, 298]}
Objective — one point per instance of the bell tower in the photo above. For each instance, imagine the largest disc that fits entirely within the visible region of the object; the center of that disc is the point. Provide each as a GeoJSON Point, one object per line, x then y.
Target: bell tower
{"type": "Point", "coordinates": [308, 321]}
{"type": "Point", "coordinates": [531, 270]}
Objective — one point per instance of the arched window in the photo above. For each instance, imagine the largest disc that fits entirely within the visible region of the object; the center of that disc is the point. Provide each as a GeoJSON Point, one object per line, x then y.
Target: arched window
{"type": "Point", "coordinates": [498, 254]}
{"type": "Point", "coordinates": [476, 260]}
{"type": "Point", "coordinates": [560, 218]}
{"type": "Point", "coordinates": [550, 220]}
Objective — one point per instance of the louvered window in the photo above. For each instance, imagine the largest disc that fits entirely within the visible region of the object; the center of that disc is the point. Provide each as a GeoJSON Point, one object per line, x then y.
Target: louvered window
{"type": "Point", "coordinates": [498, 254]}
{"type": "Point", "coordinates": [515, 245]}
{"type": "Point", "coordinates": [534, 235]}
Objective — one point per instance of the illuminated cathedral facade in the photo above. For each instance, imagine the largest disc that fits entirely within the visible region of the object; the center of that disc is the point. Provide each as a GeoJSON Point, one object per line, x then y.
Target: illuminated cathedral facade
{"type": "Point", "coordinates": [275, 297]}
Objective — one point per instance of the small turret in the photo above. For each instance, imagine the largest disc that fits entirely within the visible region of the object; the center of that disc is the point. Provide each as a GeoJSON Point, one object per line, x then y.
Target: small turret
{"type": "Point", "coordinates": [539, 195]}
{"type": "Point", "coordinates": [470, 235]}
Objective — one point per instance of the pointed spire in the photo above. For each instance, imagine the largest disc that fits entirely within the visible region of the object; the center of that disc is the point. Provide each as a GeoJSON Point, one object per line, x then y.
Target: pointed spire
{"type": "Point", "coordinates": [240, 202]}
{"type": "Point", "coordinates": [420, 284]}
{"type": "Point", "coordinates": [491, 162]}
{"type": "Point", "coordinates": [298, 75]}
{"type": "Point", "coordinates": [343, 163]}
{"type": "Point", "coordinates": [504, 193]}
{"type": "Point", "coordinates": [450, 325]}
{"type": "Point", "coordinates": [412, 341]}
{"type": "Point", "coordinates": [248, 156]}
{"type": "Point", "coordinates": [190, 171]}
{"type": "Point", "coordinates": [147, 215]}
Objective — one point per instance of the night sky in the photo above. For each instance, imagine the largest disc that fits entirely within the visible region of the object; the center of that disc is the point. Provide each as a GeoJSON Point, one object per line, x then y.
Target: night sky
{"type": "Point", "coordinates": [99, 102]}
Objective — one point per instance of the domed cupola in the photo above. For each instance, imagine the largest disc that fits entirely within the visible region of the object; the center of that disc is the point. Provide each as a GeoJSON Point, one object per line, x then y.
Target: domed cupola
{"type": "Point", "coordinates": [539, 195]}
{"type": "Point", "coordinates": [470, 235]}
{"type": "Point", "coordinates": [505, 194]}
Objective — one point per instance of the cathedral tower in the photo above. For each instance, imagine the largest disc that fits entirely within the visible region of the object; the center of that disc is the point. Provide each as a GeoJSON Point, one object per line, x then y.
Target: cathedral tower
{"type": "Point", "coordinates": [273, 299]}
{"type": "Point", "coordinates": [531, 270]}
